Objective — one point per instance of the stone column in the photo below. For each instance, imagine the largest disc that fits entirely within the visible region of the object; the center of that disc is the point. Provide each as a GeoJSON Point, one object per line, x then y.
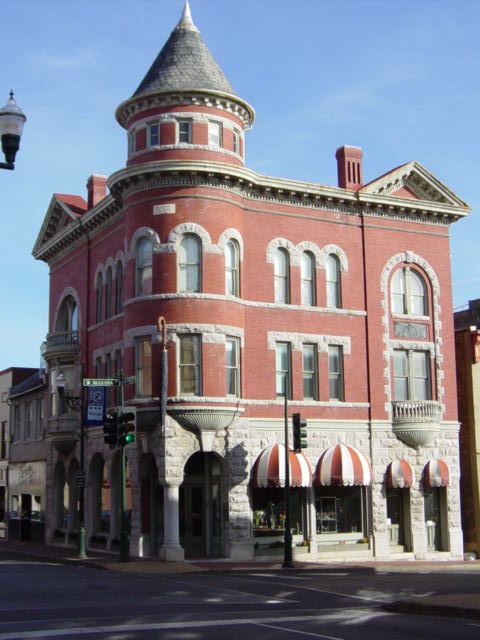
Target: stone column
{"type": "Point", "coordinates": [171, 550]}
{"type": "Point", "coordinates": [419, 533]}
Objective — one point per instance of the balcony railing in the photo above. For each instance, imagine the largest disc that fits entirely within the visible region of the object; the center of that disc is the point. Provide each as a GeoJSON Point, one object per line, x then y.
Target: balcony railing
{"type": "Point", "coordinates": [62, 341]}
{"type": "Point", "coordinates": [406, 411]}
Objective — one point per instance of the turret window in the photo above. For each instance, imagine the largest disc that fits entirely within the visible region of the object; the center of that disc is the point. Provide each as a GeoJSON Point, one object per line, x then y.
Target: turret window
{"type": "Point", "coordinates": [190, 263]}
{"type": "Point", "coordinates": [132, 142]}
{"type": "Point", "coordinates": [184, 131]}
{"type": "Point", "coordinates": [236, 141]}
{"type": "Point", "coordinates": [153, 135]}
{"type": "Point", "coordinates": [215, 134]}
{"type": "Point", "coordinates": [143, 267]}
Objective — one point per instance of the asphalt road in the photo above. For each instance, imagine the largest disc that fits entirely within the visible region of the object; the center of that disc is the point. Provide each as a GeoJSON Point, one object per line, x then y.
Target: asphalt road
{"type": "Point", "coordinates": [47, 600]}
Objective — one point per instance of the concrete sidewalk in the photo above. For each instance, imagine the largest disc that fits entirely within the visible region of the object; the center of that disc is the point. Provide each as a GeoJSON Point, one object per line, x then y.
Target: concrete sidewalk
{"type": "Point", "coordinates": [452, 604]}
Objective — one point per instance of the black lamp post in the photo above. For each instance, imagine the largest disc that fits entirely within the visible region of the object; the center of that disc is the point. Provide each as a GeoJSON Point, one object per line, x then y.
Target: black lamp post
{"type": "Point", "coordinates": [76, 404]}
{"type": "Point", "coordinates": [12, 120]}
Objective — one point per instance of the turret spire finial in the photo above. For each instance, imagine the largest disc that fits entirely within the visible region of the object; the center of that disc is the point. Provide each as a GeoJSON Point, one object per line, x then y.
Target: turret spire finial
{"type": "Point", "coordinates": [186, 21]}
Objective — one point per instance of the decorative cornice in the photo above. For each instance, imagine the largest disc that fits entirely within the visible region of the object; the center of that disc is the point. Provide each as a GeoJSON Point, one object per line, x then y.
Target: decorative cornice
{"type": "Point", "coordinates": [204, 98]}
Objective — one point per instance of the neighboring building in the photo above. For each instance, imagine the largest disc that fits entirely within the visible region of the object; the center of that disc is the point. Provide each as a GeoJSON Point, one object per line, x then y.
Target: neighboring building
{"type": "Point", "coordinates": [338, 297]}
{"type": "Point", "coordinates": [27, 459]}
{"type": "Point", "coordinates": [467, 348]}
{"type": "Point", "coordinates": [8, 378]}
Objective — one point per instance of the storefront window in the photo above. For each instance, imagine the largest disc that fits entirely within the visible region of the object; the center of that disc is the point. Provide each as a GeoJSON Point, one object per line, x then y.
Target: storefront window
{"type": "Point", "coordinates": [339, 510]}
{"type": "Point", "coordinates": [269, 511]}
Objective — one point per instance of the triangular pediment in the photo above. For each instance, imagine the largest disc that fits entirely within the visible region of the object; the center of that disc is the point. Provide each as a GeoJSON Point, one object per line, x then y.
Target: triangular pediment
{"type": "Point", "coordinates": [63, 211]}
{"type": "Point", "coordinates": [413, 181]}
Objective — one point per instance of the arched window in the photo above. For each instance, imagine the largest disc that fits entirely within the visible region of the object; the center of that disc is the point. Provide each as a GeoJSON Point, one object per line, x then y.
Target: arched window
{"type": "Point", "coordinates": [143, 267]}
{"type": "Point", "coordinates": [99, 304]}
{"type": "Point", "coordinates": [307, 278]}
{"type": "Point", "coordinates": [282, 276]}
{"type": "Point", "coordinates": [108, 292]}
{"type": "Point", "coordinates": [334, 297]}
{"type": "Point", "coordinates": [190, 263]}
{"type": "Point", "coordinates": [232, 269]}
{"type": "Point", "coordinates": [118, 287]}
{"type": "Point", "coordinates": [67, 319]}
{"type": "Point", "coordinates": [408, 292]}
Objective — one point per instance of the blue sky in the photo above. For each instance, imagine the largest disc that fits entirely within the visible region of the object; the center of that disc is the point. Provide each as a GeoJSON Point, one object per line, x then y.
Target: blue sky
{"type": "Point", "coordinates": [399, 78]}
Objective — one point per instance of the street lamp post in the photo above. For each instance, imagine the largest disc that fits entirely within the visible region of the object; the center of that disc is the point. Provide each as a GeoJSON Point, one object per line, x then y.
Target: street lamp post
{"type": "Point", "coordinates": [76, 404]}
{"type": "Point", "coordinates": [12, 120]}
{"type": "Point", "coordinates": [287, 553]}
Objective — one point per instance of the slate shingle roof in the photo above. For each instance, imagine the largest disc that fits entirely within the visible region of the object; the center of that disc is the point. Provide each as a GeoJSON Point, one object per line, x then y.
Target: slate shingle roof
{"type": "Point", "coordinates": [184, 63]}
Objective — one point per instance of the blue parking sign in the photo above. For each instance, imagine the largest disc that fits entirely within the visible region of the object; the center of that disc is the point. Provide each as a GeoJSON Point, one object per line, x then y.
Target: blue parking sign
{"type": "Point", "coordinates": [96, 406]}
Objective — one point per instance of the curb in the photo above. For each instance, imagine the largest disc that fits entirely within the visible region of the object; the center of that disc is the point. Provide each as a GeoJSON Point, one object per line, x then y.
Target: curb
{"type": "Point", "coordinates": [417, 608]}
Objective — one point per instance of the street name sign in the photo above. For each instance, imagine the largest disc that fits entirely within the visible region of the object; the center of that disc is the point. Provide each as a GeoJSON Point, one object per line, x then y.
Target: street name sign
{"type": "Point", "coordinates": [100, 382]}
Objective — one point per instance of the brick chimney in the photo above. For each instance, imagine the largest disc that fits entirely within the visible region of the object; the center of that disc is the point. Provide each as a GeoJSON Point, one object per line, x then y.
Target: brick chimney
{"type": "Point", "coordinates": [349, 167]}
{"type": "Point", "coordinates": [96, 189]}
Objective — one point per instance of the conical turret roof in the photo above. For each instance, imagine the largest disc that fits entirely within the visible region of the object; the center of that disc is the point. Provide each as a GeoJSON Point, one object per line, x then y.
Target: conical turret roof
{"type": "Point", "coordinates": [184, 63]}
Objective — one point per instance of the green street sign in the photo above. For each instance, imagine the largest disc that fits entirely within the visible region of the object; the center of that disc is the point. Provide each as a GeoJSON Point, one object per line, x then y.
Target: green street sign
{"type": "Point", "coordinates": [100, 382]}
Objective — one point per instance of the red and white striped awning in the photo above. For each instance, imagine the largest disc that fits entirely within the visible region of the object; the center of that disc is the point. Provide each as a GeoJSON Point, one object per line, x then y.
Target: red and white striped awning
{"type": "Point", "coordinates": [342, 465]}
{"type": "Point", "coordinates": [269, 468]}
{"type": "Point", "coordinates": [436, 474]}
{"type": "Point", "coordinates": [400, 475]}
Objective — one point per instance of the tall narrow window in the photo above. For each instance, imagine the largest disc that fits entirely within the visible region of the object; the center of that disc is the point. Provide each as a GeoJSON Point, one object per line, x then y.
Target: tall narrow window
{"type": "Point", "coordinates": [282, 276]}
{"type": "Point", "coordinates": [310, 372]}
{"type": "Point", "coordinates": [189, 263]}
{"type": "Point", "coordinates": [236, 141]}
{"type": "Point", "coordinates": [232, 269]}
{"type": "Point", "coordinates": [283, 366]}
{"type": "Point", "coordinates": [39, 419]}
{"type": "Point", "coordinates": [132, 142]}
{"type": "Point", "coordinates": [408, 292]}
{"type": "Point", "coordinates": [411, 374]}
{"type": "Point", "coordinates": [153, 135]}
{"type": "Point", "coordinates": [335, 372]}
{"type": "Point", "coordinates": [143, 367]}
{"type": "Point", "coordinates": [307, 277]}
{"type": "Point", "coordinates": [185, 131]}
{"type": "Point", "coordinates": [118, 287]}
{"type": "Point", "coordinates": [143, 267]}
{"type": "Point", "coordinates": [189, 364]}
{"type": "Point", "coordinates": [232, 363]}
{"type": "Point", "coordinates": [215, 134]}
{"type": "Point", "coordinates": [334, 299]}
{"type": "Point", "coordinates": [16, 423]}
{"type": "Point", "coordinates": [27, 432]}
{"type": "Point", "coordinates": [99, 304]}
{"type": "Point", "coordinates": [109, 293]}
{"type": "Point", "coordinates": [3, 440]}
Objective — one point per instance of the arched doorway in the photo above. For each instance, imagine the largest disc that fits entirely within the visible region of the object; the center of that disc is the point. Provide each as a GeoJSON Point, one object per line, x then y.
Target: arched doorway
{"type": "Point", "coordinates": [200, 502]}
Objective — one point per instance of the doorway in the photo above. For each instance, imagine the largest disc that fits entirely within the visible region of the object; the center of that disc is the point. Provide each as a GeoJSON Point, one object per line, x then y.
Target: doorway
{"type": "Point", "coordinates": [398, 518]}
{"type": "Point", "coordinates": [435, 518]}
{"type": "Point", "coordinates": [200, 512]}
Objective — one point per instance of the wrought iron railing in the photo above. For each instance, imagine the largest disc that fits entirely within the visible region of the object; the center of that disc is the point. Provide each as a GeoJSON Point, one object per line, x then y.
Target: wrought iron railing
{"type": "Point", "coordinates": [416, 411]}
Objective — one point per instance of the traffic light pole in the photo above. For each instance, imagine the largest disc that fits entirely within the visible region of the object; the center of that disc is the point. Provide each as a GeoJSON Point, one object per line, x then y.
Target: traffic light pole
{"type": "Point", "coordinates": [287, 557]}
{"type": "Point", "coordinates": [124, 541]}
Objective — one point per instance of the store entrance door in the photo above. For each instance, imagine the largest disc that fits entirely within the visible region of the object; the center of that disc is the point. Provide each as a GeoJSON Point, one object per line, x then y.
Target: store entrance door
{"type": "Point", "coordinates": [201, 526]}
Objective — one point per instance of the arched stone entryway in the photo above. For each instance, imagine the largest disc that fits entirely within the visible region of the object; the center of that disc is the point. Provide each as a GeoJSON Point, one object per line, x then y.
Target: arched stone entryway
{"type": "Point", "coordinates": [200, 506]}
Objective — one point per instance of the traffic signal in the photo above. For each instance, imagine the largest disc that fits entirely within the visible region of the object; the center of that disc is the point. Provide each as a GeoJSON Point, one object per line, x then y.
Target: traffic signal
{"type": "Point", "coordinates": [127, 424]}
{"type": "Point", "coordinates": [110, 427]}
{"type": "Point", "coordinates": [299, 432]}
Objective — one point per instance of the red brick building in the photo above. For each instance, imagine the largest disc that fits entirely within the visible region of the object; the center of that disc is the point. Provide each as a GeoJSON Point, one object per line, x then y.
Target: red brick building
{"type": "Point", "coordinates": [339, 296]}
